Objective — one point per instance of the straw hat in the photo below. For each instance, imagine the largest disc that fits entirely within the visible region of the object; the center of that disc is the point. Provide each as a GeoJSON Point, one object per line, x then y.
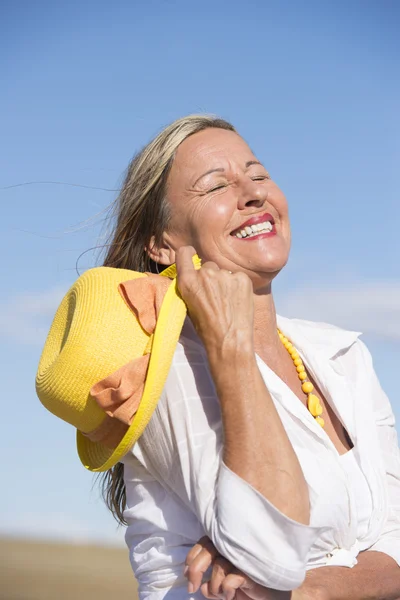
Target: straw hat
{"type": "Point", "coordinates": [107, 356]}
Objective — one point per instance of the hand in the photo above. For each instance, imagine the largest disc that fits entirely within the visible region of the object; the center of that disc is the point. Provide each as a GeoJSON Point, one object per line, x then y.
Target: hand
{"type": "Point", "coordinates": [220, 303]}
{"type": "Point", "coordinates": [229, 583]}
{"type": "Point", "coordinates": [226, 581]}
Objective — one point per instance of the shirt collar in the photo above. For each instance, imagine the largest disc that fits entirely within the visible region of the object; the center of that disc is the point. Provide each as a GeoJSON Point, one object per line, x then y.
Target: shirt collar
{"type": "Point", "coordinates": [327, 339]}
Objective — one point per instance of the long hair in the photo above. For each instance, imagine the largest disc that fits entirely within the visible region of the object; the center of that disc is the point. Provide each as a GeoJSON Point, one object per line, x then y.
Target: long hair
{"type": "Point", "coordinates": [140, 212]}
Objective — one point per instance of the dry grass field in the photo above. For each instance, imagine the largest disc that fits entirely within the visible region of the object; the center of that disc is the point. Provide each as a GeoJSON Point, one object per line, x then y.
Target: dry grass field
{"type": "Point", "coordinates": [50, 571]}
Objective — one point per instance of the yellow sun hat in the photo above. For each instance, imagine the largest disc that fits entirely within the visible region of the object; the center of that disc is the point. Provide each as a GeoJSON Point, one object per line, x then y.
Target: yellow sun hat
{"type": "Point", "coordinates": [107, 357]}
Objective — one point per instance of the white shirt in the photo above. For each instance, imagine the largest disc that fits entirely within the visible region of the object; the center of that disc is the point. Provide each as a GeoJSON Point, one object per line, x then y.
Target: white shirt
{"type": "Point", "coordinates": [178, 488]}
{"type": "Point", "coordinates": [360, 489]}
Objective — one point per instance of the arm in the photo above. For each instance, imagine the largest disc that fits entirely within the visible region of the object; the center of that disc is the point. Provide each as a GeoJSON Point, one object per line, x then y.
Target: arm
{"type": "Point", "coordinates": [266, 462]}
{"type": "Point", "coordinates": [221, 306]}
{"type": "Point", "coordinates": [239, 505]}
{"type": "Point", "coordinates": [375, 577]}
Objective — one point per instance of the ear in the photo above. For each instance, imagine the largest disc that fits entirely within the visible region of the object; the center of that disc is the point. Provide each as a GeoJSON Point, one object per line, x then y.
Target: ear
{"type": "Point", "coordinates": [163, 254]}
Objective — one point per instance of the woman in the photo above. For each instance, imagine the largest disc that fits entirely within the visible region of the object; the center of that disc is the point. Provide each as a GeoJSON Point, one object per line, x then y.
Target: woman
{"type": "Point", "coordinates": [272, 436]}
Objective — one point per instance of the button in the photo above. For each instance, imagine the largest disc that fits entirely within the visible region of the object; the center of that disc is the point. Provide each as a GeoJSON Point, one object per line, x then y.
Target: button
{"type": "Point", "coordinates": [334, 551]}
{"type": "Point", "coordinates": [343, 557]}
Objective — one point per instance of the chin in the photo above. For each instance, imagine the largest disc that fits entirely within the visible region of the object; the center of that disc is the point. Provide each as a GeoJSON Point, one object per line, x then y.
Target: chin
{"type": "Point", "coordinates": [273, 265]}
{"type": "Point", "coordinates": [268, 272]}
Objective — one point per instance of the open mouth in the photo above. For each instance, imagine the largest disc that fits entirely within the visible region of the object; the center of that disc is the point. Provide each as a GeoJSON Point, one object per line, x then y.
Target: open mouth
{"type": "Point", "coordinates": [251, 228]}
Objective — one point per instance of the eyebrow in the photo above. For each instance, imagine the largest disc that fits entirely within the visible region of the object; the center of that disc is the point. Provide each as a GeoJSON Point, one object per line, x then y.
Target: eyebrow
{"type": "Point", "coordinates": [221, 170]}
{"type": "Point", "coordinates": [252, 162]}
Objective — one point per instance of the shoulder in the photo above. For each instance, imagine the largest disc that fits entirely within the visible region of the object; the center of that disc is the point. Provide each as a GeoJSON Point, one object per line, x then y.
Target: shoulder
{"type": "Point", "coordinates": [326, 339]}
{"type": "Point", "coordinates": [341, 348]}
{"type": "Point", "coordinates": [315, 326]}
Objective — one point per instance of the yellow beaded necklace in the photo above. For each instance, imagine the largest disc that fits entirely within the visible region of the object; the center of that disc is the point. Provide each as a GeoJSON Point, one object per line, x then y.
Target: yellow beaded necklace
{"type": "Point", "coordinates": [313, 402]}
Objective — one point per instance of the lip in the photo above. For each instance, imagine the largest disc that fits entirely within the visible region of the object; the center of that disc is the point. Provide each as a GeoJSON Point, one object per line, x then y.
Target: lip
{"type": "Point", "coordinates": [254, 220]}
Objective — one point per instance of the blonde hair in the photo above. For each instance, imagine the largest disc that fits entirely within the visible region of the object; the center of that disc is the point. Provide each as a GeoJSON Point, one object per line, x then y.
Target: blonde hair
{"type": "Point", "coordinates": [141, 211]}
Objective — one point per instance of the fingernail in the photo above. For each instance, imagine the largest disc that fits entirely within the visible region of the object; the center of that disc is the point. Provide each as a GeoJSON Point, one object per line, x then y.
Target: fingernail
{"type": "Point", "coordinates": [190, 587]}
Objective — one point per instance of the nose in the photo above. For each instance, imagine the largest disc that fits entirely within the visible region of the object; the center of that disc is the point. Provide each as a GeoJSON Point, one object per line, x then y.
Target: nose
{"type": "Point", "coordinates": [251, 194]}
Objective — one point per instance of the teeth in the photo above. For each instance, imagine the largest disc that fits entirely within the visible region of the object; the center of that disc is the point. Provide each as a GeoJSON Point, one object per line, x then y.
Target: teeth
{"type": "Point", "coordinates": [251, 230]}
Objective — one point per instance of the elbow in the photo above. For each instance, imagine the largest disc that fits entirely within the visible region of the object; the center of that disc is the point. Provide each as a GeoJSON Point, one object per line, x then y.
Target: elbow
{"type": "Point", "coordinates": [272, 566]}
{"type": "Point", "coordinates": [256, 537]}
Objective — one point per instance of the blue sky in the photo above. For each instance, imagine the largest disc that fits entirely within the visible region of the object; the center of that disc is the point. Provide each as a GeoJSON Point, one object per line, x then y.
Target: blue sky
{"type": "Point", "coordinates": [315, 89]}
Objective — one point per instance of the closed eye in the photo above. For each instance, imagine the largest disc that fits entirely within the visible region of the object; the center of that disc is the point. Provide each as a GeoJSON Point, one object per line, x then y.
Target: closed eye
{"type": "Point", "coordinates": [217, 187]}
{"type": "Point", "coordinates": [261, 178]}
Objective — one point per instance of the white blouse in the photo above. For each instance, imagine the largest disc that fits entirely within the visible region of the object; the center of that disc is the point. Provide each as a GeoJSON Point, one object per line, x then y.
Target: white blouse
{"type": "Point", "coordinates": [179, 489]}
{"type": "Point", "coordinates": [360, 489]}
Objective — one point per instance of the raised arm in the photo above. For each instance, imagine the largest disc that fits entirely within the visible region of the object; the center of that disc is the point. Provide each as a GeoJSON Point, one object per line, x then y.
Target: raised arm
{"type": "Point", "coordinates": [243, 483]}
{"type": "Point", "coordinates": [221, 307]}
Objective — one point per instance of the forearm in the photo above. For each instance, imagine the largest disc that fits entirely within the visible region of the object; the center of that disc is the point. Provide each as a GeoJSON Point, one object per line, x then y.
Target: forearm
{"type": "Point", "coordinates": [375, 577]}
{"type": "Point", "coordinates": [256, 446]}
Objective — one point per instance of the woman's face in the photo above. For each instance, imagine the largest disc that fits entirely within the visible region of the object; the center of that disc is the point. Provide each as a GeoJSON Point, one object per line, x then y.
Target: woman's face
{"type": "Point", "coordinates": [224, 204]}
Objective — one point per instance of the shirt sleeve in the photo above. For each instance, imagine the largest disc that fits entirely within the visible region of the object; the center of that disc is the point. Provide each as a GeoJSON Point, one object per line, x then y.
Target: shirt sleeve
{"type": "Point", "coordinates": [182, 449]}
{"type": "Point", "coordinates": [389, 540]}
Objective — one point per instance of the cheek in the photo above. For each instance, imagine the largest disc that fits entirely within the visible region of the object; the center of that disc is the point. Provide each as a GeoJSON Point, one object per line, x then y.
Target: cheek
{"type": "Point", "coordinates": [210, 218]}
{"type": "Point", "coordinates": [278, 198]}
{"type": "Point", "coordinates": [219, 211]}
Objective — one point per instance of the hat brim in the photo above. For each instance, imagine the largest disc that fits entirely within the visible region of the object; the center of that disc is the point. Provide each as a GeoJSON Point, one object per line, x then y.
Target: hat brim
{"type": "Point", "coordinates": [95, 456]}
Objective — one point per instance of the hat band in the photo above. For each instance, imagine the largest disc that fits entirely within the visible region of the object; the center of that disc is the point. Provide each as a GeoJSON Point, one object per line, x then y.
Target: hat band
{"type": "Point", "coordinates": [119, 396]}
{"type": "Point", "coordinates": [109, 433]}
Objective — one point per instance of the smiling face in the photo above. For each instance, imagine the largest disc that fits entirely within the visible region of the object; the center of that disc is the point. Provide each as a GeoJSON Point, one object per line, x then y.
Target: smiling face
{"type": "Point", "coordinates": [224, 204]}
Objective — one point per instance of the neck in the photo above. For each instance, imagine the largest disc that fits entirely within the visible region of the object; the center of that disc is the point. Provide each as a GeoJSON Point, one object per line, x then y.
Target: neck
{"type": "Point", "coordinates": [266, 340]}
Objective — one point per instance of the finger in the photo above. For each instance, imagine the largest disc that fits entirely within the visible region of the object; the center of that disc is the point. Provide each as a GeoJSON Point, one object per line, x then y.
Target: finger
{"type": "Point", "coordinates": [239, 581]}
{"type": "Point", "coordinates": [184, 260]}
{"type": "Point", "coordinates": [196, 549]}
{"type": "Point", "coordinates": [195, 571]}
{"type": "Point", "coordinates": [220, 570]}
{"type": "Point", "coordinates": [205, 590]}
{"type": "Point", "coordinates": [199, 566]}
{"type": "Point", "coordinates": [231, 584]}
